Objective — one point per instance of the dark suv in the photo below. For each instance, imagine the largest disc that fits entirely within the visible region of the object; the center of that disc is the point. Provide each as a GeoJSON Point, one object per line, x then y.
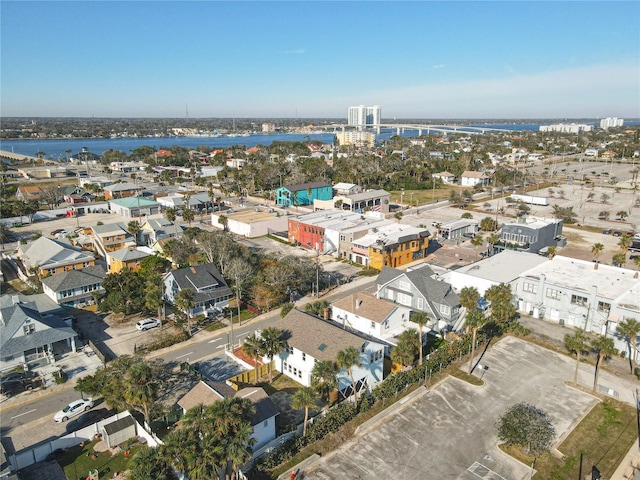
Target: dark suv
{"type": "Point", "coordinates": [15, 376]}
{"type": "Point", "coordinates": [15, 387]}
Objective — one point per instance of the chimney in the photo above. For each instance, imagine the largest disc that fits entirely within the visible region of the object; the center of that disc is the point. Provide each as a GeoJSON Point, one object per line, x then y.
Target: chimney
{"type": "Point", "coordinates": [15, 299]}
{"type": "Point", "coordinates": [326, 313]}
{"type": "Point", "coordinates": [358, 302]}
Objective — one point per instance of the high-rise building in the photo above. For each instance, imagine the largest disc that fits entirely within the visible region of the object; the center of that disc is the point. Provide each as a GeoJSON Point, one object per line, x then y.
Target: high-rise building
{"type": "Point", "coordinates": [611, 122]}
{"type": "Point", "coordinates": [364, 117]}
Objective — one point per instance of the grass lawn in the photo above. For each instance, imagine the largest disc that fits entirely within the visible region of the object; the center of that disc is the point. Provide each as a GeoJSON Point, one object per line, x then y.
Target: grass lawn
{"type": "Point", "coordinates": [464, 376]}
{"type": "Point", "coordinates": [280, 383]}
{"type": "Point", "coordinates": [603, 438]}
{"type": "Point", "coordinates": [77, 461]}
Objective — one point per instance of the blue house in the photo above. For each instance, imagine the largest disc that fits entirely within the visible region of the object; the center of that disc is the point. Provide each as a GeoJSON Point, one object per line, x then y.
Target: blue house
{"type": "Point", "coordinates": [303, 193]}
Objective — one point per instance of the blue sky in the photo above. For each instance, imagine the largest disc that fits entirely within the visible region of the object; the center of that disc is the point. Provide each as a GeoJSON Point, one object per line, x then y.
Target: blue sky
{"type": "Point", "coordinates": [500, 59]}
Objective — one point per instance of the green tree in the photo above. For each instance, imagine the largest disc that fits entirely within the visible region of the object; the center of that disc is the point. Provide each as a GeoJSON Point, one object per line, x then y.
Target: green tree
{"type": "Point", "coordinates": [474, 320]}
{"type": "Point", "coordinates": [477, 242]}
{"type": "Point", "coordinates": [324, 377]}
{"type": "Point", "coordinates": [622, 215]}
{"type": "Point", "coordinates": [420, 319]}
{"type": "Point", "coordinates": [596, 250]}
{"type": "Point", "coordinates": [184, 302]}
{"type": "Point", "coordinates": [347, 359]}
{"type": "Point", "coordinates": [188, 215]}
{"type": "Point", "coordinates": [141, 388]}
{"type": "Point", "coordinates": [306, 398]}
{"type": "Point", "coordinates": [619, 259]}
{"type": "Point", "coordinates": [254, 347]}
{"type": "Point", "coordinates": [151, 463]}
{"type": "Point", "coordinates": [577, 343]}
{"type": "Point", "coordinates": [406, 349]}
{"type": "Point", "coordinates": [273, 343]}
{"type": "Point", "coordinates": [171, 215]}
{"type": "Point", "coordinates": [528, 427]}
{"type": "Point", "coordinates": [469, 297]}
{"type": "Point", "coordinates": [624, 243]}
{"type": "Point", "coordinates": [604, 347]}
{"type": "Point", "coordinates": [502, 310]}
{"type": "Point", "coordinates": [488, 224]}
{"type": "Point", "coordinates": [629, 329]}
{"type": "Point", "coordinates": [124, 292]}
{"type": "Point", "coordinates": [133, 227]}
{"type": "Point", "coordinates": [224, 221]}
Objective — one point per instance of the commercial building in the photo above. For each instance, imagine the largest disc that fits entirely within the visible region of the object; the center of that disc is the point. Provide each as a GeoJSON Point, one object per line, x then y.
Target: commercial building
{"type": "Point", "coordinates": [611, 122]}
{"type": "Point", "coordinates": [531, 234]}
{"type": "Point", "coordinates": [392, 245]}
{"type": "Point", "coordinates": [303, 193]}
{"type": "Point", "coordinates": [566, 128]}
{"type": "Point", "coordinates": [364, 117]}
{"type": "Point", "coordinates": [356, 138]}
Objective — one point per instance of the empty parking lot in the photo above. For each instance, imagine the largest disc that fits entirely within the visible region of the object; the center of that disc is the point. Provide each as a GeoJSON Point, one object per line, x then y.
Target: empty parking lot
{"type": "Point", "coordinates": [449, 431]}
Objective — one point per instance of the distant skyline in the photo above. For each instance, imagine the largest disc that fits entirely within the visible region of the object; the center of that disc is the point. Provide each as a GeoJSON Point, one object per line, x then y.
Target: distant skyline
{"type": "Point", "coordinates": [432, 59]}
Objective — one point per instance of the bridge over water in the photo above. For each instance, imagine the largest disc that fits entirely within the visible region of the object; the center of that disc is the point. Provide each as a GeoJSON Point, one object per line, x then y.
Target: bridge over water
{"type": "Point", "coordinates": [401, 127]}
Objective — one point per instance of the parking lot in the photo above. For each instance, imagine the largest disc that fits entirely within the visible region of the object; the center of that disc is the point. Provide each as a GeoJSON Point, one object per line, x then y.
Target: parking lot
{"type": "Point", "coordinates": [449, 431]}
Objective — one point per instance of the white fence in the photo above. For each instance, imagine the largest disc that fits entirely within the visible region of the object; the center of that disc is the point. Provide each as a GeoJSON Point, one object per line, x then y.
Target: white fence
{"type": "Point", "coordinates": [38, 453]}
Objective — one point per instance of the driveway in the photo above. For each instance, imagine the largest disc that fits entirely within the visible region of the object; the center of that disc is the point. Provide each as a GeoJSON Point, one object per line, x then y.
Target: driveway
{"type": "Point", "coordinates": [449, 431]}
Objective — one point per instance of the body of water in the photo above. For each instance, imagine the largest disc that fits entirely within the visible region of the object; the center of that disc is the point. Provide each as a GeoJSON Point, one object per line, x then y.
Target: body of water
{"type": "Point", "coordinates": [57, 149]}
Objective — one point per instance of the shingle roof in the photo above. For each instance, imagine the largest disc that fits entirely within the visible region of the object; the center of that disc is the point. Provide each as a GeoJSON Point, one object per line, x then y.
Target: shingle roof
{"type": "Point", "coordinates": [46, 251]}
{"type": "Point", "coordinates": [201, 276]}
{"type": "Point", "coordinates": [121, 187]}
{"type": "Point", "coordinates": [315, 337]}
{"type": "Point", "coordinates": [366, 306]}
{"type": "Point", "coordinates": [75, 278]}
{"type": "Point", "coordinates": [128, 254]}
{"type": "Point", "coordinates": [13, 318]}
{"type": "Point", "coordinates": [433, 290]}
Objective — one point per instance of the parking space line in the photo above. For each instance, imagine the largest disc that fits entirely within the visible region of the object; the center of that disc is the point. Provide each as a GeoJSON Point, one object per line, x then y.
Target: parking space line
{"type": "Point", "coordinates": [486, 472]}
{"type": "Point", "coordinates": [186, 354]}
{"type": "Point", "coordinates": [25, 413]}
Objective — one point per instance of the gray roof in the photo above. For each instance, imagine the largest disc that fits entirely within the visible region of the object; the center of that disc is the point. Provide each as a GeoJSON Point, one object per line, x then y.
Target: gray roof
{"type": "Point", "coordinates": [120, 187]}
{"type": "Point", "coordinates": [366, 195]}
{"type": "Point", "coordinates": [119, 425]}
{"type": "Point", "coordinates": [315, 337]}
{"type": "Point", "coordinates": [111, 228]}
{"type": "Point", "coordinates": [75, 278]}
{"type": "Point", "coordinates": [46, 251]}
{"type": "Point", "coordinates": [41, 303]}
{"type": "Point", "coordinates": [201, 276]}
{"type": "Point", "coordinates": [503, 267]}
{"type": "Point", "coordinates": [296, 187]}
{"type": "Point", "coordinates": [128, 254]}
{"type": "Point", "coordinates": [49, 329]}
{"type": "Point", "coordinates": [435, 291]}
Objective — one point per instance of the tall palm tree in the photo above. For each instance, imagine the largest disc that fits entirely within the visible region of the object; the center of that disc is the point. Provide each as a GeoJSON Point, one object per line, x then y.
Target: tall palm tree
{"type": "Point", "coordinates": [171, 215]}
{"type": "Point", "coordinates": [253, 347]}
{"type": "Point", "coordinates": [347, 359]}
{"type": "Point", "coordinates": [405, 351]}
{"type": "Point", "coordinates": [477, 241]}
{"type": "Point", "coordinates": [629, 329]}
{"type": "Point", "coordinates": [273, 344]}
{"type": "Point", "coordinates": [238, 448]}
{"type": "Point", "coordinates": [323, 377]}
{"type": "Point", "coordinates": [596, 250]}
{"type": "Point", "coordinates": [151, 463]}
{"type": "Point", "coordinates": [306, 398]}
{"type": "Point", "coordinates": [133, 227]}
{"type": "Point", "coordinates": [578, 343]}
{"type": "Point", "coordinates": [421, 319]}
{"type": "Point", "coordinates": [141, 389]}
{"type": "Point", "coordinates": [636, 261]}
{"type": "Point", "coordinates": [605, 348]}
{"type": "Point", "coordinates": [619, 259]}
{"type": "Point", "coordinates": [469, 297]}
{"type": "Point", "coordinates": [184, 302]}
{"type": "Point", "coordinates": [474, 320]}
{"type": "Point", "coordinates": [625, 242]}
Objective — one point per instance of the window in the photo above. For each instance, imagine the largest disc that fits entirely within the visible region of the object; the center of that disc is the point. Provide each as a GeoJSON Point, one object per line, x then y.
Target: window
{"type": "Point", "coordinates": [403, 285]}
{"type": "Point", "coordinates": [304, 357]}
{"type": "Point", "coordinates": [529, 287]}
{"type": "Point", "coordinates": [29, 329]}
{"type": "Point", "coordinates": [578, 300]}
{"type": "Point", "coordinates": [404, 299]}
{"type": "Point", "coordinates": [266, 423]}
{"type": "Point", "coordinates": [373, 324]}
{"type": "Point", "coordinates": [445, 309]}
{"type": "Point", "coordinates": [551, 293]}
{"type": "Point", "coordinates": [604, 307]}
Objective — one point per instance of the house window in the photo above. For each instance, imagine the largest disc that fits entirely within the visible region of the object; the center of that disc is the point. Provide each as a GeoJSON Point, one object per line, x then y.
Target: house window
{"type": "Point", "coordinates": [304, 357]}
{"type": "Point", "coordinates": [266, 423]}
{"type": "Point", "coordinates": [403, 285]}
{"type": "Point", "coordinates": [445, 309]}
{"type": "Point", "coordinates": [373, 324]}
{"type": "Point", "coordinates": [604, 307]}
{"type": "Point", "coordinates": [578, 300]}
{"type": "Point", "coordinates": [529, 287]}
{"type": "Point", "coordinates": [551, 293]}
{"type": "Point", "coordinates": [29, 329]}
{"type": "Point", "coordinates": [404, 299]}
{"type": "Point", "coordinates": [299, 373]}
{"type": "Point", "coordinates": [295, 371]}
{"type": "Point", "coordinates": [420, 304]}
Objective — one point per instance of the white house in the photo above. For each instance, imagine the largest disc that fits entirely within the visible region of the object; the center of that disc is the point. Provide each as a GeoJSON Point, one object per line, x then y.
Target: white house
{"type": "Point", "coordinates": [264, 419]}
{"type": "Point", "coordinates": [447, 177]}
{"type": "Point", "coordinates": [311, 339]}
{"type": "Point", "coordinates": [367, 314]}
{"type": "Point", "coordinates": [470, 179]}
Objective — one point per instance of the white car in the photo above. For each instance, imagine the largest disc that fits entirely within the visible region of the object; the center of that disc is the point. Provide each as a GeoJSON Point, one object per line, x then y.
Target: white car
{"type": "Point", "coordinates": [147, 323]}
{"type": "Point", "coordinates": [74, 408]}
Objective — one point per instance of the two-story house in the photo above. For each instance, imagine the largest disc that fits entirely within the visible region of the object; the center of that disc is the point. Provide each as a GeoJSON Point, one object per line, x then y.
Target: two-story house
{"type": "Point", "coordinates": [75, 288]}
{"type": "Point", "coordinates": [48, 256]}
{"type": "Point", "coordinates": [111, 237]}
{"type": "Point", "coordinates": [125, 258]}
{"type": "Point", "coordinates": [419, 290]}
{"type": "Point", "coordinates": [471, 179]}
{"type": "Point", "coordinates": [263, 421]}
{"type": "Point", "coordinates": [303, 193]}
{"type": "Point", "coordinates": [211, 293]}
{"type": "Point", "coordinates": [121, 190]}
{"type": "Point", "coordinates": [391, 245]}
{"type": "Point", "coordinates": [311, 339]}
{"type": "Point", "coordinates": [372, 316]}
{"type": "Point", "coordinates": [155, 229]}
{"type": "Point", "coordinates": [530, 234]}
{"type": "Point", "coordinates": [29, 334]}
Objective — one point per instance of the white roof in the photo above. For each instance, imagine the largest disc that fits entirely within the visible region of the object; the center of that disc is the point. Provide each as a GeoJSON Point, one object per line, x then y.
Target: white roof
{"type": "Point", "coordinates": [610, 282]}
{"type": "Point", "coordinates": [503, 267]}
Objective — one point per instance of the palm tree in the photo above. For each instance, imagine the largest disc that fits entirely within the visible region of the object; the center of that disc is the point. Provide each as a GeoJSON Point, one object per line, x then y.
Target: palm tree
{"type": "Point", "coordinates": [578, 343]}
{"type": "Point", "coordinates": [133, 227]}
{"type": "Point", "coordinates": [624, 243]}
{"type": "Point", "coordinates": [151, 463]}
{"type": "Point", "coordinates": [551, 252]}
{"type": "Point", "coordinates": [421, 319]}
{"type": "Point", "coordinates": [477, 241]}
{"type": "Point", "coordinates": [238, 447]}
{"type": "Point", "coordinates": [474, 320]}
{"type": "Point", "coordinates": [605, 348]}
{"type": "Point", "coordinates": [224, 221]}
{"type": "Point", "coordinates": [469, 297]}
{"type": "Point", "coordinates": [636, 261]}
{"type": "Point", "coordinates": [273, 344]}
{"type": "Point", "coordinates": [171, 215]}
{"type": "Point", "coordinates": [493, 239]}
{"type": "Point", "coordinates": [347, 359]}
{"type": "Point", "coordinates": [619, 259]}
{"type": "Point", "coordinates": [184, 302]}
{"type": "Point", "coordinates": [188, 215]}
{"type": "Point", "coordinates": [404, 353]}
{"type": "Point", "coordinates": [597, 250]}
{"type": "Point", "coordinates": [253, 347]}
{"type": "Point", "coordinates": [323, 377]}
{"type": "Point", "coordinates": [141, 388]}
{"type": "Point", "coordinates": [629, 329]}
{"type": "Point", "coordinates": [306, 398]}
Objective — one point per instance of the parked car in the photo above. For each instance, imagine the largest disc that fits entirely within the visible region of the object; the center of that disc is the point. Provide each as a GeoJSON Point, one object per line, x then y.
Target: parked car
{"type": "Point", "coordinates": [147, 323]}
{"type": "Point", "coordinates": [15, 387]}
{"type": "Point", "coordinates": [468, 234]}
{"type": "Point", "coordinates": [606, 231]}
{"type": "Point", "coordinates": [13, 376]}
{"type": "Point", "coordinates": [57, 231]}
{"type": "Point", "coordinates": [73, 409]}
{"type": "Point", "coordinates": [617, 233]}
{"type": "Point", "coordinates": [87, 418]}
